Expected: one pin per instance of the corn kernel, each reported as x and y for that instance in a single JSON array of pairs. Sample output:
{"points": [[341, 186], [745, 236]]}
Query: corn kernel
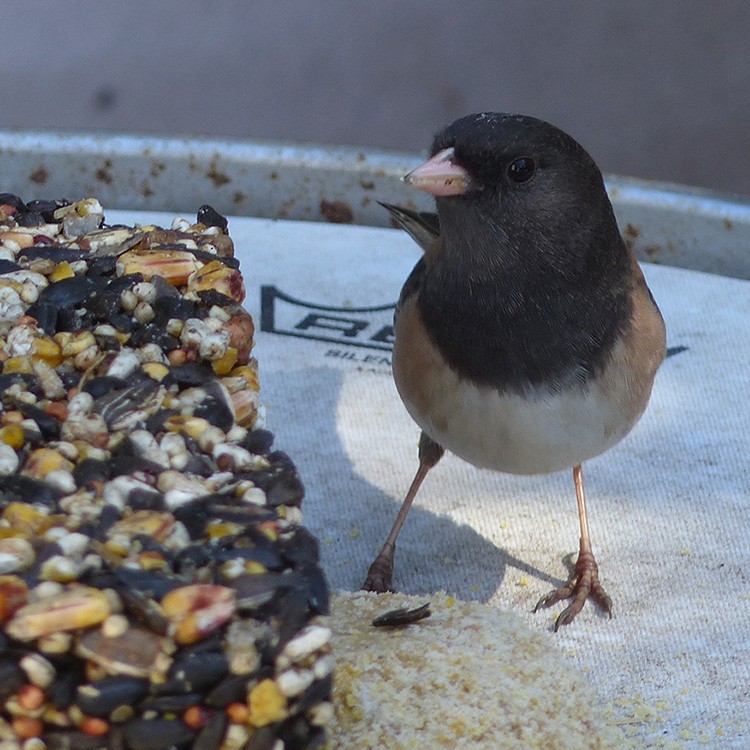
{"points": [[156, 370], [266, 703], [62, 271], [47, 350], [13, 435], [224, 364], [191, 426], [249, 373], [21, 365]]}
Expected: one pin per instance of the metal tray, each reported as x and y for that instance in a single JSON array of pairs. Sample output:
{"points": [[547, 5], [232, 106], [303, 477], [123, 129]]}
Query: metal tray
{"points": [[668, 224]]}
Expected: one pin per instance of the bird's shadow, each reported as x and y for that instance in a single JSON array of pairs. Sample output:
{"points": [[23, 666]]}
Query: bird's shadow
{"points": [[351, 516]]}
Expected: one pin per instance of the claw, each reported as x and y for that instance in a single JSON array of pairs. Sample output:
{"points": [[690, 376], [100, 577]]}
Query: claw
{"points": [[584, 583], [380, 575]]}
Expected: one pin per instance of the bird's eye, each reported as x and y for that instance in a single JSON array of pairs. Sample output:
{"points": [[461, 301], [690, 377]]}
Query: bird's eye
{"points": [[521, 170]]}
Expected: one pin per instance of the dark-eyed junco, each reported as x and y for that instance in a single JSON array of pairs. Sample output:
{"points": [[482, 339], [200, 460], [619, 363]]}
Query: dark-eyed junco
{"points": [[526, 339]]}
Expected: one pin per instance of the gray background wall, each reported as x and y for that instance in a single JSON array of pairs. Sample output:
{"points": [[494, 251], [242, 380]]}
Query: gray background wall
{"points": [[653, 89]]}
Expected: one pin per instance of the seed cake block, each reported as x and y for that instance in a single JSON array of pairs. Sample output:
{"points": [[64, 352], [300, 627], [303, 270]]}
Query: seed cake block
{"points": [[157, 588]]}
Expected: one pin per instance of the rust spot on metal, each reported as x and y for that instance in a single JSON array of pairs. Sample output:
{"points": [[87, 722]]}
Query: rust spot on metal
{"points": [[146, 190], [238, 197], [40, 175], [337, 212], [366, 184], [727, 223], [651, 250], [274, 175], [286, 207], [103, 174], [631, 231], [157, 167], [361, 156], [365, 201], [218, 178]]}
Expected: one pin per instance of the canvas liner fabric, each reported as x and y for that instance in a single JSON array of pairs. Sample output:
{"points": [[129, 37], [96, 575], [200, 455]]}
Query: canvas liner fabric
{"points": [[669, 506]]}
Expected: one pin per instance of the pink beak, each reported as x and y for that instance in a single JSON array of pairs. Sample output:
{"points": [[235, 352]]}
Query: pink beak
{"points": [[440, 175]]}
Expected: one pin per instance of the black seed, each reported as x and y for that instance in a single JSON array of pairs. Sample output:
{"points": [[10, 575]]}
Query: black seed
{"points": [[29, 382], [258, 442], [118, 405], [122, 322], [266, 556], [254, 591], [194, 673], [107, 343], [48, 425], [194, 514], [193, 374], [89, 471], [151, 583], [301, 547], [292, 608], [119, 284], [200, 465], [320, 690], [214, 408], [11, 678], [6, 266], [30, 219], [153, 333], [263, 738], [70, 378], [295, 733], [231, 689], [62, 691], [210, 297], [45, 314], [116, 740], [100, 386], [73, 740], [192, 558], [47, 208], [212, 734], [121, 465], [27, 490], [109, 515], [105, 266], [170, 703], [102, 697], [165, 308], [209, 216], [139, 499], [156, 734], [316, 587], [155, 423], [11, 199], [67, 293], [56, 253]]}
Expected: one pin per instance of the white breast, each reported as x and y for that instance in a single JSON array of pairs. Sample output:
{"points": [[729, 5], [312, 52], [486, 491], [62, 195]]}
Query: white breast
{"points": [[537, 433]]}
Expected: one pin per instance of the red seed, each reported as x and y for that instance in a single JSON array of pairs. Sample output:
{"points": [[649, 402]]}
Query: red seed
{"points": [[238, 713], [94, 726], [26, 727], [30, 697], [196, 717]]}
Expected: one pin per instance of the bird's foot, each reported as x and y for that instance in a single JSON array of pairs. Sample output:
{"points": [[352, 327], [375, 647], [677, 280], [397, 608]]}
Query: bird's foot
{"points": [[582, 584], [380, 575]]}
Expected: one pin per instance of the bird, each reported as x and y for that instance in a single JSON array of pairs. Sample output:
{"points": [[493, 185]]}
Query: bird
{"points": [[526, 339]]}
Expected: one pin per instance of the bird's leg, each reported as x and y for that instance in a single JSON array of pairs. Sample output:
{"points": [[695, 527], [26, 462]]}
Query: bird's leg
{"points": [[584, 582], [380, 575]]}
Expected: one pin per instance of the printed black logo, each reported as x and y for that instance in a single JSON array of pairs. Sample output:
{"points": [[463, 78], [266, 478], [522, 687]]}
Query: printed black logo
{"points": [[368, 327]]}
